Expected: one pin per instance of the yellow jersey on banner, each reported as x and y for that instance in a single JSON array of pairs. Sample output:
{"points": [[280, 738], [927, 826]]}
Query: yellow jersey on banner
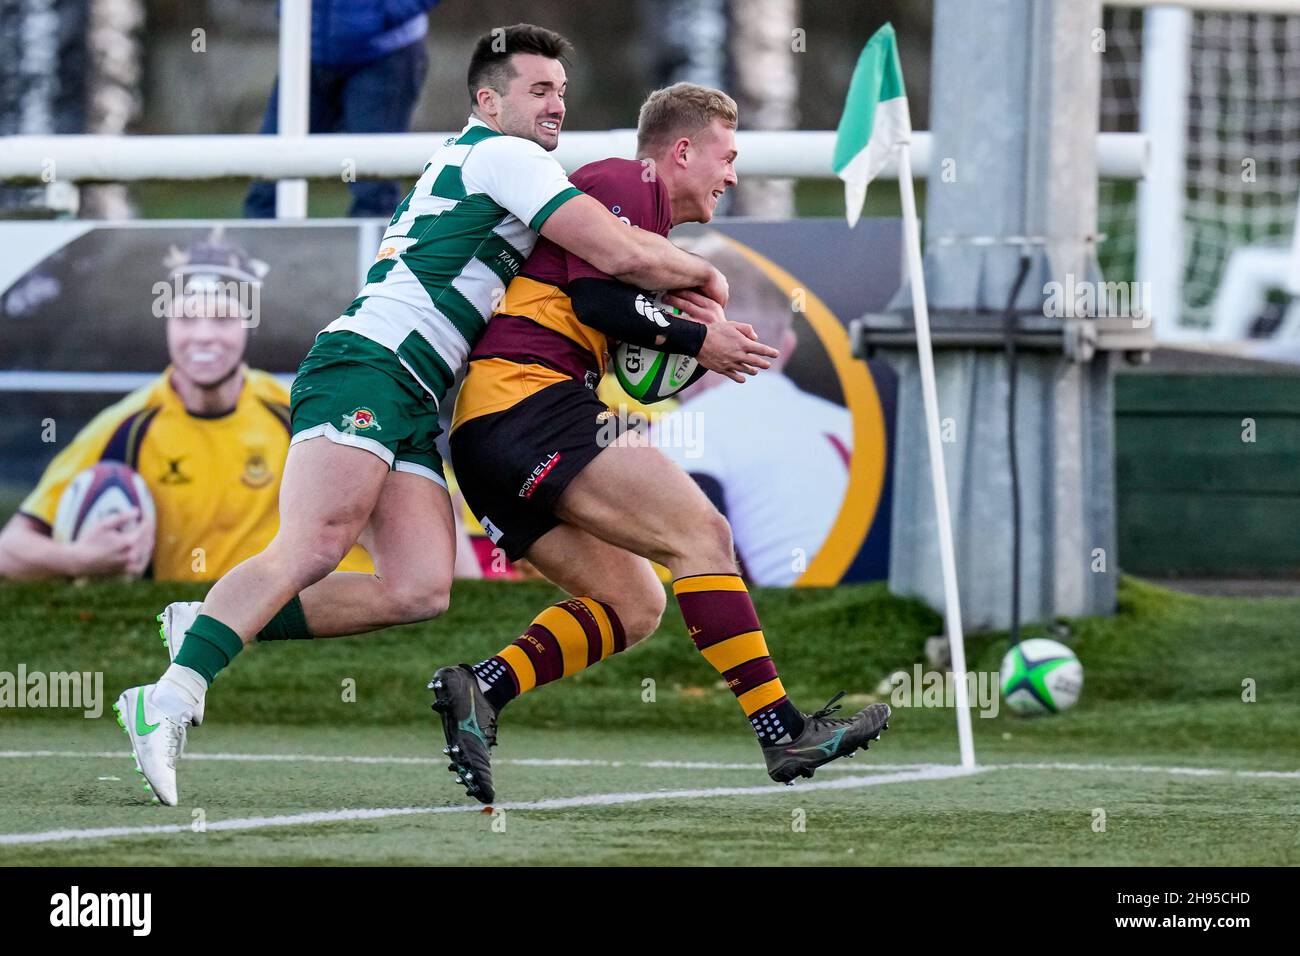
{"points": [[215, 481]]}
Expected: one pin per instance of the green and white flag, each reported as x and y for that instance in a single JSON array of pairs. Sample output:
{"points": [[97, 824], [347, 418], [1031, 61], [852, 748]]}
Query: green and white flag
{"points": [[875, 124]]}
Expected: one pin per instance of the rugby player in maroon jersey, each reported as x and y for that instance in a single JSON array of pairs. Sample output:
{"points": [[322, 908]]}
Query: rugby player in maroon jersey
{"points": [[531, 442]]}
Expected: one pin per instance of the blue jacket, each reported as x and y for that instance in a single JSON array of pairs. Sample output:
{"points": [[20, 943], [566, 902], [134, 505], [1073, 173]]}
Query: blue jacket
{"points": [[352, 32]]}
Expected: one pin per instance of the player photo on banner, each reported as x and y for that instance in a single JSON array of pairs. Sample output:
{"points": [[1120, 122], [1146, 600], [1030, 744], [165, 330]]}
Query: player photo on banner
{"points": [[781, 455], [149, 366], [796, 457]]}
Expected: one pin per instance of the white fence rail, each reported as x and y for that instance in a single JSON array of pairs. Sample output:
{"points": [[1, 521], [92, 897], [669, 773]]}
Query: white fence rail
{"points": [[73, 158]]}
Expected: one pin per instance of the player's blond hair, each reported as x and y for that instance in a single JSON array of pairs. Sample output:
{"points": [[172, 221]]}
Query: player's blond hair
{"points": [[683, 109]]}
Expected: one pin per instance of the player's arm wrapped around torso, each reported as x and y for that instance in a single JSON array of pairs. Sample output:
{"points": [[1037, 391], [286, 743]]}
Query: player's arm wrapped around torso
{"points": [[628, 314]]}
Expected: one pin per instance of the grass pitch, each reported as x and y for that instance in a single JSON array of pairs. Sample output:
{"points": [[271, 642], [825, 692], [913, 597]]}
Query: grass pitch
{"points": [[1161, 763]]}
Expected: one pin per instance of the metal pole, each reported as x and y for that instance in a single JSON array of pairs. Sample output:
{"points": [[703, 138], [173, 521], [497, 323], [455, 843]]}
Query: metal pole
{"points": [[1021, 181], [293, 108]]}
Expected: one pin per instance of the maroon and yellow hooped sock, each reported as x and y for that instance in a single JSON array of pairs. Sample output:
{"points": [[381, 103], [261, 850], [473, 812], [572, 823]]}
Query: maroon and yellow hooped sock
{"points": [[562, 640], [724, 626]]}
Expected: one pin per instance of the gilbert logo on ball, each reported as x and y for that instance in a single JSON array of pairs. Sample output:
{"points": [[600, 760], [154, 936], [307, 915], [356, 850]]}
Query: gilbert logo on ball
{"points": [[362, 419], [648, 375]]}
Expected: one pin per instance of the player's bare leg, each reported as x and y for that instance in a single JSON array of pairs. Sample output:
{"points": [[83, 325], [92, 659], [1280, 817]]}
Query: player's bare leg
{"points": [[674, 524], [618, 601], [412, 541], [410, 538], [326, 498], [581, 563]]}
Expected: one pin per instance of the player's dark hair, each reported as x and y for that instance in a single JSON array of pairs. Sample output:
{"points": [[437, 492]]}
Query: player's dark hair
{"points": [[489, 65]]}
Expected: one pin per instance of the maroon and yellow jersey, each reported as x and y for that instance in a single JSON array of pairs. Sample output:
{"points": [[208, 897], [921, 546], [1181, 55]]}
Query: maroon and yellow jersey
{"points": [[535, 339]]}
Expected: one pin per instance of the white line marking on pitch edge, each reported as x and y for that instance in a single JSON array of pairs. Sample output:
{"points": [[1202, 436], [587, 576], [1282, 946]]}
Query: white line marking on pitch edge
{"points": [[438, 762], [664, 764], [556, 803], [1139, 768]]}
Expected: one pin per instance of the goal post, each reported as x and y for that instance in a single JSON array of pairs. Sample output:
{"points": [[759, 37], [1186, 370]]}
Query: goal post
{"points": [[1215, 85], [1162, 196]]}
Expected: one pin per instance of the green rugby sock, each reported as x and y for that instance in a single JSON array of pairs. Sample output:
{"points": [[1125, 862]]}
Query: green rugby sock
{"points": [[209, 647], [289, 624]]}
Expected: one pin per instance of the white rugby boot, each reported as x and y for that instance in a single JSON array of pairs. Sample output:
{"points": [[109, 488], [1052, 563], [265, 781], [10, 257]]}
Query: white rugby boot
{"points": [[156, 741]]}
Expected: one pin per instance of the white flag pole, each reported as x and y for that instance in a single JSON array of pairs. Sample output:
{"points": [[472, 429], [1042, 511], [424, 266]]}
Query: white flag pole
{"points": [[930, 398]]}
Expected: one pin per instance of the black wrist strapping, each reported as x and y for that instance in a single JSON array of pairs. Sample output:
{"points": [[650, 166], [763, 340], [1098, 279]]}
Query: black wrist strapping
{"points": [[628, 314]]}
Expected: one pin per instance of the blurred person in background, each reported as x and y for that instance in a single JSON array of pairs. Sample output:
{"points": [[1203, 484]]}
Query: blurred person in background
{"points": [[209, 437], [782, 492], [368, 63]]}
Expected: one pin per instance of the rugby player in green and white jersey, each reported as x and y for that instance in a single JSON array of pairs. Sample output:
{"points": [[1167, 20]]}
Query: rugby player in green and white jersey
{"points": [[365, 402]]}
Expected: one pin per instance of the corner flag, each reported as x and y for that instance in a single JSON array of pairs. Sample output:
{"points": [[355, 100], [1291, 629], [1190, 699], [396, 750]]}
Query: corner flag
{"points": [[875, 123], [874, 129]]}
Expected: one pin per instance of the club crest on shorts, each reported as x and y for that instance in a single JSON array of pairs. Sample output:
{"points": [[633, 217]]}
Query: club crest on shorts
{"points": [[362, 420]]}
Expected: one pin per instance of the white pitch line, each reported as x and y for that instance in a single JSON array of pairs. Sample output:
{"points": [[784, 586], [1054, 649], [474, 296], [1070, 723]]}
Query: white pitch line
{"points": [[556, 803], [561, 762], [1140, 768], [868, 766], [438, 762]]}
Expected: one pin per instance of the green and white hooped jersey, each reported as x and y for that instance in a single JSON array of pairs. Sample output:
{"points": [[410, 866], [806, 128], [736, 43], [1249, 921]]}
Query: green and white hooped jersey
{"points": [[452, 247]]}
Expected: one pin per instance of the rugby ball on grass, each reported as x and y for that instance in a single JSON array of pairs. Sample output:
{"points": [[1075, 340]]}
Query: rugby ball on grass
{"points": [[1040, 676], [101, 491]]}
